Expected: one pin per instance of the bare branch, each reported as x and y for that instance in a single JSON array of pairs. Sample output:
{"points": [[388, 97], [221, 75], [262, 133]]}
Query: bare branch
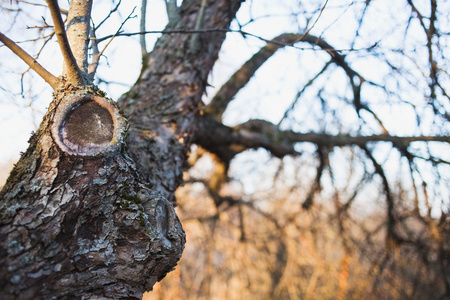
{"points": [[96, 54], [71, 70], [109, 15], [223, 30], [52, 80], [323, 161], [392, 236], [142, 28], [299, 94], [78, 29], [241, 77], [317, 19], [226, 142]]}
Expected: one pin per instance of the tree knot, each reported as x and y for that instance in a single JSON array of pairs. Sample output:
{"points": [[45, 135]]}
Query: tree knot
{"points": [[88, 125]]}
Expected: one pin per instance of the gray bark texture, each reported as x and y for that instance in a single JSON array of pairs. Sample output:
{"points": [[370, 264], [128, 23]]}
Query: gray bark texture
{"points": [[163, 106], [84, 213], [78, 222]]}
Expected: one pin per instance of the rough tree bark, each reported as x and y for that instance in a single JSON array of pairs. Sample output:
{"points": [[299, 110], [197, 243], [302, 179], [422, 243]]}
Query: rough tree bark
{"points": [[78, 218], [87, 211], [163, 106]]}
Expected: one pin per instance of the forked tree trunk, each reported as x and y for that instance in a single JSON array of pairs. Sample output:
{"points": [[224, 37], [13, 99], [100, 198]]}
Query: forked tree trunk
{"points": [[78, 218]]}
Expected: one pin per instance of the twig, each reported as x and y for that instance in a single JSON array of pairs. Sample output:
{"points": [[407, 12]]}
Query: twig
{"points": [[225, 30], [317, 19], [118, 30], [323, 162], [109, 15], [96, 55], [297, 97], [40, 50], [52, 80], [392, 236]]}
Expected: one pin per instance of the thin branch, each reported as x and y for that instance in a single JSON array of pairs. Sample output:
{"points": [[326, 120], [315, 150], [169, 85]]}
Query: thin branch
{"points": [[52, 80], [142, 28], [72, 71], [299, 94], [392, 237], [323, 161], [317, 19], [109, 15], [241, 77], [130, 16], [96, 54], [46, 40], [225, 30]]}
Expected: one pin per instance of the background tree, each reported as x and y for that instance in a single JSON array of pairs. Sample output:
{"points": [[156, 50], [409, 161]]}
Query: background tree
{"points": [[349, 196]]}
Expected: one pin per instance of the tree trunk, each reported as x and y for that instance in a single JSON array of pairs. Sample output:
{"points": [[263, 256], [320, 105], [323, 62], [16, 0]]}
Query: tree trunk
{"points": [[164, 104], [78, 218]]}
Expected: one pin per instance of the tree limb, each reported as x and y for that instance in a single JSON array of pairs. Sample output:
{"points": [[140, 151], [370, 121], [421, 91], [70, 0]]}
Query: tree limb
{"points": [[164, 103], [226, 142], [78, 29], [241, 77], [71, 71], [52, 80]]}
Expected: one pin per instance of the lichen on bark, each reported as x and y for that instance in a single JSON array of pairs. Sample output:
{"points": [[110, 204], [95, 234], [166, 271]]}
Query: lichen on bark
{"points": [[65, 227]]}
